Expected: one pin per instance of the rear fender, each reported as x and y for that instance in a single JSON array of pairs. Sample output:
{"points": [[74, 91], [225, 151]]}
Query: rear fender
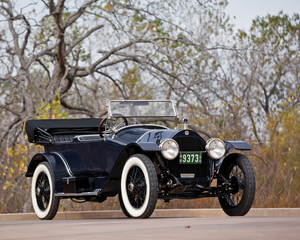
{"points": [[57, 166]]}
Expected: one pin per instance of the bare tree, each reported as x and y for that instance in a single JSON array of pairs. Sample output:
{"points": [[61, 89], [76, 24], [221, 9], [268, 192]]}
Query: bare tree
{"points": [[257, 78], [81, 53], [45, 51]]}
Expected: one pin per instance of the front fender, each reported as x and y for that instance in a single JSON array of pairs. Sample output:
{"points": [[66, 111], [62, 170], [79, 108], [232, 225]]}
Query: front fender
{"points": [[230, 145], [238, 145], [148, 146]]}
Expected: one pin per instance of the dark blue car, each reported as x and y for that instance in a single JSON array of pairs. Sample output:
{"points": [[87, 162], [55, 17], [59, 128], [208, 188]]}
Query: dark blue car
{"points": [[92, 159]]}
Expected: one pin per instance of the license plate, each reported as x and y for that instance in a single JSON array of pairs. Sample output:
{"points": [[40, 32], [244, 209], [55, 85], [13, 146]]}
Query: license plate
{"points": [[190, 158]]}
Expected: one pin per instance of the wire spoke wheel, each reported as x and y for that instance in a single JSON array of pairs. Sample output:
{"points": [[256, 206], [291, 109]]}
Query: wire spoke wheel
{"points": [[139, 186], [237, 181], [42, 191], [45, 204], [136, 189], [239, 197]]}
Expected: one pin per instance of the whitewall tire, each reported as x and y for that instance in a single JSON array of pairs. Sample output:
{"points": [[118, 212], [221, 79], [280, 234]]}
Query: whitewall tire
{"points": [[45, 204], [139, 187]]}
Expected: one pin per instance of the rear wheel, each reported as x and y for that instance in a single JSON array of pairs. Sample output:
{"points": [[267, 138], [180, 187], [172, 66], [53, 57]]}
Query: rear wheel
{"points": [[45, 204], [239, 172], [139, 187]]}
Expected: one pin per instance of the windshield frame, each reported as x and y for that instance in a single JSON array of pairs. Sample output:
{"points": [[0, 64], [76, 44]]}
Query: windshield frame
{"points": [[136, 104], [110, 115]]}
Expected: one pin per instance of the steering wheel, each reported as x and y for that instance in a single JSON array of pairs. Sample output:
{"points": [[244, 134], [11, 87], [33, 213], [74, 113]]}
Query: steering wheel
{"points": [[115, 124]]}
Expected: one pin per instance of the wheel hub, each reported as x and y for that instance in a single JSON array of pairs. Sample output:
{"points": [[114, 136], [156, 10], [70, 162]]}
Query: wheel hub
{"points": [[130, 187], [235, 184], [37, 191]]}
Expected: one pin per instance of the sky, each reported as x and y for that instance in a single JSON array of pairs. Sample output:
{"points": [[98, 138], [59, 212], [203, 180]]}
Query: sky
{"points": [[243, 10], [247, 10]]}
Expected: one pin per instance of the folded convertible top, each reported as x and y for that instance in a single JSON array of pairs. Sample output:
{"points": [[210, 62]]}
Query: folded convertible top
{"points": [[62, 126]]}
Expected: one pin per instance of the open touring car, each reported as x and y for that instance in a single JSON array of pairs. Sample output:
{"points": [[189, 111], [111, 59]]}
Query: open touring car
{"points": [[92, 159]]}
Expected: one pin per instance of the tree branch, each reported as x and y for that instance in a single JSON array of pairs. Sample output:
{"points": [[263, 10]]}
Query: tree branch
{"points": [[81, 109]]}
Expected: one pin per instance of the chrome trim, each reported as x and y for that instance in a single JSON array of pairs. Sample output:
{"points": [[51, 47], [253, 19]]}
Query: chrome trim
{"points": [[65, 163], [185, 121], [81, 137], [144, 135], [192, 151], [157, 100], [110, 115], [95, 193], [143, 125], [162, 143], [208, 149], [187, 175]]}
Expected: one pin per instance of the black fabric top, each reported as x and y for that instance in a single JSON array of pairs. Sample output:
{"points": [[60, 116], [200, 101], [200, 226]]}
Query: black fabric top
{"points": [[63, 126]]}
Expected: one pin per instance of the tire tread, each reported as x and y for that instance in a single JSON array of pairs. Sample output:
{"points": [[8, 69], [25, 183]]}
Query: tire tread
{"points": [[153, 188], [55, 200], [249, 193]]}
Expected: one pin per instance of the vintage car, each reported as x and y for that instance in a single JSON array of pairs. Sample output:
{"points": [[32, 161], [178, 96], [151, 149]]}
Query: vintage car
{"points": [[95, 158]]}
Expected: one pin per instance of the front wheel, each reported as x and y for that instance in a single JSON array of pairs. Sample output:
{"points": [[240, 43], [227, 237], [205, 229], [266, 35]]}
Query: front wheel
{"points": [[238, 171], [139, 187], [45, 204]]}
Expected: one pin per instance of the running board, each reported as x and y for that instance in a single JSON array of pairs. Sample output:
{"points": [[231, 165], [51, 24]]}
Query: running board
{"points": [[96, 192]]}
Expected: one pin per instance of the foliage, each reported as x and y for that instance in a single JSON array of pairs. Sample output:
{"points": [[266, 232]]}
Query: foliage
{"points": [[133, 86], [15, 194], [53, 110], [278, 175], [269, 76]]}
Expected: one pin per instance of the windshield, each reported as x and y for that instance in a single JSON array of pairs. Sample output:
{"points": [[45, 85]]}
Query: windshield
{"points": [[141, 108]]}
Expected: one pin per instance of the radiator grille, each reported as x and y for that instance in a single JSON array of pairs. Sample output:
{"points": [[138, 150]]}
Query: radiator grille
{"points": [[190, 143], [193, 143]]}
